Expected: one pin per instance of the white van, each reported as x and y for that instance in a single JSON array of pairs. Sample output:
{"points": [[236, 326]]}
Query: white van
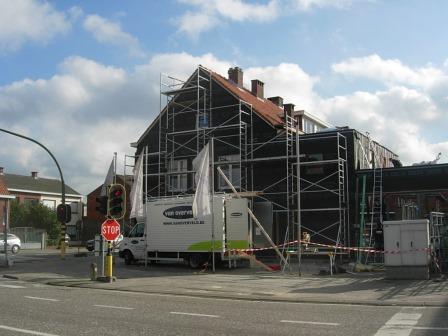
{"points": [[170, 232]]}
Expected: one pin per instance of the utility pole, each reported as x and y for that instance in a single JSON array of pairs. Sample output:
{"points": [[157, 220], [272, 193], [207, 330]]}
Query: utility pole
{"points": [[63, 225]]}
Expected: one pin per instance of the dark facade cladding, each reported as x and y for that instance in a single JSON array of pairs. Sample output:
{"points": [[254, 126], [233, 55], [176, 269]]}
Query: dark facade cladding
{"points": [[255, 145], [424, 186]]}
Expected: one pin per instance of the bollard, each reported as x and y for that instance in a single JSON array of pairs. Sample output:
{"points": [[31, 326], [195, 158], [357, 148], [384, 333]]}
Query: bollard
{"points": [[93, 271], [108, 266]]}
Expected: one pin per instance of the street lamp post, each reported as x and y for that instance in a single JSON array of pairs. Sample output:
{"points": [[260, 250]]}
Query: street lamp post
{"points": [[60, 173]]}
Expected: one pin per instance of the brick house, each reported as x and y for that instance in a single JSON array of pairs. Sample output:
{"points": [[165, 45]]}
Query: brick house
{"points": [[32, 188]]}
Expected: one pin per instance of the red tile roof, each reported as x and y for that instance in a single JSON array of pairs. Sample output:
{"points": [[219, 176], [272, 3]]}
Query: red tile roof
{"points": [[3, 188], [264, 107]]}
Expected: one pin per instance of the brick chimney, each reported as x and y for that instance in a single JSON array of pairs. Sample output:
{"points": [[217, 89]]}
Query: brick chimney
{"points": [[258, 88], [236, 76], [34, 174], [2, 171], [277, 101], [288, 108]]}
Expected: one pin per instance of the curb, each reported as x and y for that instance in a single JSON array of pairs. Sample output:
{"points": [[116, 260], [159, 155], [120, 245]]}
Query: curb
{"points": [[7, 276], [85, 283]]}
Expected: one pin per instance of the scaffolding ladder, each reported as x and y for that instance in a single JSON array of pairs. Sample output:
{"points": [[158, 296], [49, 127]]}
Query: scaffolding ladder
{"points": [[291, 161], [435, 236], [374, 213]]}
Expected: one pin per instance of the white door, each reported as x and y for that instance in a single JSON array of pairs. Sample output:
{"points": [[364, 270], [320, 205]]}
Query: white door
{"points": [[420, 243], [136, 241], [407, 248], [392, 244]]}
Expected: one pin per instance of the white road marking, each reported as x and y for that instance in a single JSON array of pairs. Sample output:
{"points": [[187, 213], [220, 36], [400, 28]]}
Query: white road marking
{"points": [[400, 324], [41, 298], [12, 286], [114, 307], [25, 331], [429, 328], [194, 314], [311, 322]]}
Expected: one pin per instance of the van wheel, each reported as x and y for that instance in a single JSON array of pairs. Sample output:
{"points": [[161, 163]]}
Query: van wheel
{"points": [[128, 257], [196, 260]]}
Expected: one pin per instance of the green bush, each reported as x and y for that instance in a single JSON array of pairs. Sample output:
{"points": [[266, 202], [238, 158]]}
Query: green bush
{"points": [[38, 216]]}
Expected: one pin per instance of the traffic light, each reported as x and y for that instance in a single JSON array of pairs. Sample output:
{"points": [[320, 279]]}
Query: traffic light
{"points": [[64, 213], [102, 204], [117, 201]]}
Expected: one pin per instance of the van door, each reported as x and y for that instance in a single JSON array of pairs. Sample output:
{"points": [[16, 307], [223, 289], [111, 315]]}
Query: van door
{"points": [[136, 241]]}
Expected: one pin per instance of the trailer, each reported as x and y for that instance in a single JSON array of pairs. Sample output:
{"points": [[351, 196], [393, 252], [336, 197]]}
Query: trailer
{"points": [[169, 232]]}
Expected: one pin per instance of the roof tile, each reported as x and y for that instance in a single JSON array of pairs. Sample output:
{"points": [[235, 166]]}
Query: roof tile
{"points": [[264, 107]]}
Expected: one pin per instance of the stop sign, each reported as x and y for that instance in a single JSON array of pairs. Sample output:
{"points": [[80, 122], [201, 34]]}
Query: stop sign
{"points": [[110, 229]]}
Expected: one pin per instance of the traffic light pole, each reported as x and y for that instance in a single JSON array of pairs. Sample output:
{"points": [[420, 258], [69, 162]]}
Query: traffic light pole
{"points": [[63, 226]]}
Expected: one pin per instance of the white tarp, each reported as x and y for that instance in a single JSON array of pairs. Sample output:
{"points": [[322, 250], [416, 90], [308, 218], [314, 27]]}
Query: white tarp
{"points": [[201, 201], [137, 209], [109, 179]]}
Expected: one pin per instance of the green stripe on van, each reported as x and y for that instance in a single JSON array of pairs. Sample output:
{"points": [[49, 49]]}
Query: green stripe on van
{"points": [[206, 246]]}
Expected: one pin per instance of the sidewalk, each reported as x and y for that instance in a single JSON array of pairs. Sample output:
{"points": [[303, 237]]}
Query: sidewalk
{"points": [[242, 283]]}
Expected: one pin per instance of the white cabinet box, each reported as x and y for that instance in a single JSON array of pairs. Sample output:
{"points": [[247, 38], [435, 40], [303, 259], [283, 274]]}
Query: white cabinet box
{"points": [[406, 243]]}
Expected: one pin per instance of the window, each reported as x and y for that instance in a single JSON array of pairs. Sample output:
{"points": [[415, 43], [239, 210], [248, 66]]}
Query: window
{"points": [[30, 200], [51, 204], [309, 126], [231, 170], [137, 231], [178, 182]]}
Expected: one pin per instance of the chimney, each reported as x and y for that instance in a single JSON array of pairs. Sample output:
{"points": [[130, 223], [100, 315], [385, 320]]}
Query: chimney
{"points": [[34, 174], [288, 108], [236, 76], [277, 101], [2, 171], [258, 88]]}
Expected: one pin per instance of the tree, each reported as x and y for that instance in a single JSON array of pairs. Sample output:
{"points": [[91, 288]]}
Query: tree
{"points": [[36, 215]]}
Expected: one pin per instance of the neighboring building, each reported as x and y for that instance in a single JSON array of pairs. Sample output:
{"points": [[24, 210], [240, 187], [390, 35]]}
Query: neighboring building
{"points": [[311, 124], [255, 144], [94, 219], [33, 188], [5, 198]]}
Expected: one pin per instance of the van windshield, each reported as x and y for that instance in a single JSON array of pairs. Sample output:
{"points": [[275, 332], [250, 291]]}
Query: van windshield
{"points": [[137, 231]]}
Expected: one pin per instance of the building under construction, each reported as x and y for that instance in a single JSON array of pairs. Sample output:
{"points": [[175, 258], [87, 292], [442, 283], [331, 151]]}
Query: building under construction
{"points": [[300, 173]]}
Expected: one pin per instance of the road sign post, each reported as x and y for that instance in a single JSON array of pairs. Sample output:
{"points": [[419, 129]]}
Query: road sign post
{"points": [[110, 230]]}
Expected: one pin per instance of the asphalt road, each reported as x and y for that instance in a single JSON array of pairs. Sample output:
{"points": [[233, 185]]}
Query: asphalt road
{"points": [[36, 309]]}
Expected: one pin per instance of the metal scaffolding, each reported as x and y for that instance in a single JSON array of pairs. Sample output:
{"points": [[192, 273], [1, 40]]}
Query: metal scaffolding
{"points": [[241, 156]]}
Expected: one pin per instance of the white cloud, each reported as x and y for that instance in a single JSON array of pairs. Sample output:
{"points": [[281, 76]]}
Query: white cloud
{"points": [[75, 13], [87, 111], [29, 20], [212, 13], [388, 71], [288, 81], [84, 113], [306, 5], [111, 33]]}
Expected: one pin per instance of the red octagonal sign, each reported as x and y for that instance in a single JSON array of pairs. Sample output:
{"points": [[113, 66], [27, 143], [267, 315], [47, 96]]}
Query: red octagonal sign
{"points": [[110, 229]]}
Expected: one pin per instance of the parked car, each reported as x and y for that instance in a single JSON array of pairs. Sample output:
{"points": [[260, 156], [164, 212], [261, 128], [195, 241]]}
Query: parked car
{"points": [[13, 243], [90, 244]]}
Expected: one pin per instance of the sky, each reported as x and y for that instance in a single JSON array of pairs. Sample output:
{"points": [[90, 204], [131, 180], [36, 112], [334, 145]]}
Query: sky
{"points": [[83, 77]]}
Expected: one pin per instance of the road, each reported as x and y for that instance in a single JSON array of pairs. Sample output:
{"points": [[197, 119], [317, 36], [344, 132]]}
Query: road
{"points": [[37, 309]]}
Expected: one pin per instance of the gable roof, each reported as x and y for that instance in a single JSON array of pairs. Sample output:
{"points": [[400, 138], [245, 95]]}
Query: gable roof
{"points": [[263, 107], [40, 184], [267, 110]]}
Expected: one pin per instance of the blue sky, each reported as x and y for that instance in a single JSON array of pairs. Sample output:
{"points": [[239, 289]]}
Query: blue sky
{"points": [[72, 72]]}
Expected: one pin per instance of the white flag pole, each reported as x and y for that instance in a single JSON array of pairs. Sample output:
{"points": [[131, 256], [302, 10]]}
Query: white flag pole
{"points": [[145, 179], [212, 157]]}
